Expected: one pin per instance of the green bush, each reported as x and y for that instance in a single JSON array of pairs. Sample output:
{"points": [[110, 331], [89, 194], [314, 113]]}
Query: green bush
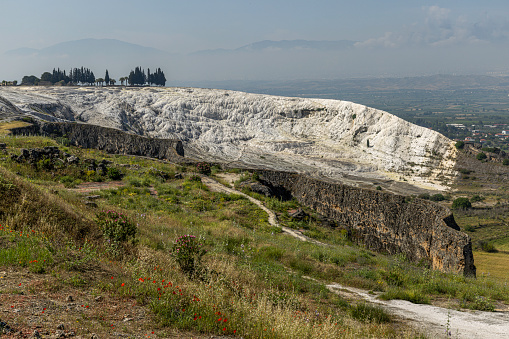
{"points": [[461, 203], [505, 162], [487, 246], [469, 228], [379, 188], [45, 164], [437, 197], [476, 198], [68, 181], [203, 168], [188, 251], [460, 145], [481, 156], [424, 196], [116, 226], [489, 149], [114, 173]]}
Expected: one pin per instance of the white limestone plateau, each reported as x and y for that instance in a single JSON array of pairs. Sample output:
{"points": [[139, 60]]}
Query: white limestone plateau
{"points": [[333, 139]]}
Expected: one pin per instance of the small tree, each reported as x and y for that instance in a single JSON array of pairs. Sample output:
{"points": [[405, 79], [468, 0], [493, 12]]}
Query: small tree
{"points": [[461, 203], [481, 156], [460, 145]]}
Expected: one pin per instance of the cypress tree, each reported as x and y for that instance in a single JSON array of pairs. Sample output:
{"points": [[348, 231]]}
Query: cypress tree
{"points": [[107, 78]]}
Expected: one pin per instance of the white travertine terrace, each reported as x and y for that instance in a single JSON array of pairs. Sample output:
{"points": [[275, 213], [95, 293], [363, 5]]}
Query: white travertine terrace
{"points": [[336, 139]]}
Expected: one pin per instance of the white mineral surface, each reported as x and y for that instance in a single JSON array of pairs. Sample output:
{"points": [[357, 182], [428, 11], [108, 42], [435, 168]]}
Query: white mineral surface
{"points": [[334, 139]]}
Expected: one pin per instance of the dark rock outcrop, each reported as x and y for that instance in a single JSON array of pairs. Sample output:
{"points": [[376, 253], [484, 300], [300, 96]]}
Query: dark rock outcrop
{"points": [[384, 222], [107, 139]]}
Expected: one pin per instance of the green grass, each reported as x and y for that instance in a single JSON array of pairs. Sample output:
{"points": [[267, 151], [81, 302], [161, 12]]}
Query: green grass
{"points": [[25, 249], [265, 283]]}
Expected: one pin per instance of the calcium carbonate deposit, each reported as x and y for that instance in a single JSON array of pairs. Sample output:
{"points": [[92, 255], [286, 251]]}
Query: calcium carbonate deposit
{"points": [[332, 139]]}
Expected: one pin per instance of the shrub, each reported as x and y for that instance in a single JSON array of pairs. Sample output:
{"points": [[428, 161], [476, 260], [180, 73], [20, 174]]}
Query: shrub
{"points": [[116, 227], [203, 168], [379, 188], [489, 149], [476, 198], [481, 156], [188, 251], [195, 178], [460, 145], [505, 162], [437, 197], [68, 181], [114, 174], [470, 228], [45, 164], [424, 196], [487, 246], [461, 203]]}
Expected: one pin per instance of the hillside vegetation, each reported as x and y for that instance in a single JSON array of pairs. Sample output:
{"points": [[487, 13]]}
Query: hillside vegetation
{"points": [[154, 252]]}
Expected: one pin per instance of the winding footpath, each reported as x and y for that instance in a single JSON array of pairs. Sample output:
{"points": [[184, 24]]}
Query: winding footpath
{"points": [[216, 186], [434, 321]]}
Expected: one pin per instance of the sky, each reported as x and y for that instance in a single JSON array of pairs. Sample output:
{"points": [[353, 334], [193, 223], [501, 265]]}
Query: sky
{"points": [[392, 37]]}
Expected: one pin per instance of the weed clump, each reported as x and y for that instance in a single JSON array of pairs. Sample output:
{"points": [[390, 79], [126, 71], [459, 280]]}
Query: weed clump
{"points": [[369, 313], [116, 227]]}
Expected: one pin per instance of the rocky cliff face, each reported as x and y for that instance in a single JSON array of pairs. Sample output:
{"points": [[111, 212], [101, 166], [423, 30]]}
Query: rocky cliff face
{"points": [[108, 139], [389, 223], [322, 138]]}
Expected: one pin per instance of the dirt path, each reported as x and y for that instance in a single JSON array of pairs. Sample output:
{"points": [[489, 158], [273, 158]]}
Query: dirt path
{"points": [[434, 320], [215, 186]]}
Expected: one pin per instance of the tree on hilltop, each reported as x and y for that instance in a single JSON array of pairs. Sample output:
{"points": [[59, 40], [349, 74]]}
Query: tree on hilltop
{"points": [[107, 78]]}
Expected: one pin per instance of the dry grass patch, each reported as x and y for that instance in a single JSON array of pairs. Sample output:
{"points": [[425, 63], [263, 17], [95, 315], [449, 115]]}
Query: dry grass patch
{"points": [[7, 126], [492, 264]]}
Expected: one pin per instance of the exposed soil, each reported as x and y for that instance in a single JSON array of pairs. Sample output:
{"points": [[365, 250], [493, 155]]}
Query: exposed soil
{"points": [[52, 306]]}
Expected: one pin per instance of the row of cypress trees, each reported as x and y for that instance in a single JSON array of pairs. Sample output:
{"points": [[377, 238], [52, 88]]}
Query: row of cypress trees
{"points": [[138, 77], [84, 76]]}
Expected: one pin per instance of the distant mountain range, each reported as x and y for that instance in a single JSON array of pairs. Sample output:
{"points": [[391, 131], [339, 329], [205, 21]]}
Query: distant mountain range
{"points": [[285, 45], [87, 47]]}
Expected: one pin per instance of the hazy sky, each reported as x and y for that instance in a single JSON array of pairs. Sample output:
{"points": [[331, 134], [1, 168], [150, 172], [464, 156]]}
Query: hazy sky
{"points": [[431, 30]]}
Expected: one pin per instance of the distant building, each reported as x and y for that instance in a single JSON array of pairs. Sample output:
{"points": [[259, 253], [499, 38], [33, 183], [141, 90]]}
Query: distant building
{"points": [[505, 132], [461, 126], [469, 139], [482, 141]]}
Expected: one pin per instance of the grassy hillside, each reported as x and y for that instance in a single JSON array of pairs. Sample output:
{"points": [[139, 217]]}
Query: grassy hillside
{"points": [[157, 254]]}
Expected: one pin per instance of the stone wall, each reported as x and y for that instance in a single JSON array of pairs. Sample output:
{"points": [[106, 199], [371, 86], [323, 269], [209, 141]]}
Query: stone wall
{"points": [[108, 139], [384, 222]]}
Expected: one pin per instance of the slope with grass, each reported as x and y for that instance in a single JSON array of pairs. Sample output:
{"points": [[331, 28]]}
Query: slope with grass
{"points": [[325, 138], [247, 278]]}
